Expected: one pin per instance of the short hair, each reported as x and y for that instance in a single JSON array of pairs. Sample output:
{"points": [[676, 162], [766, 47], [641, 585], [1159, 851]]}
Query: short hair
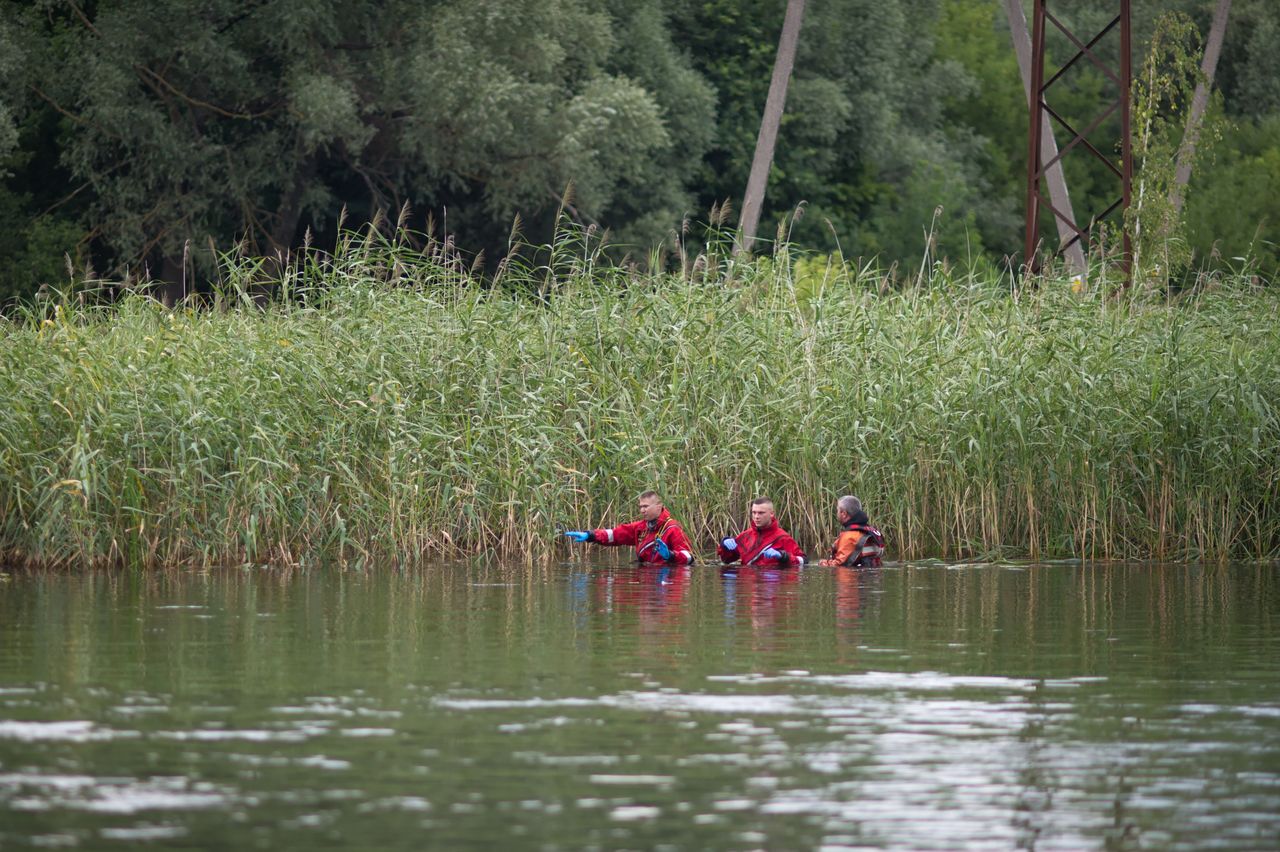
{"points": [[650, 495], [760, 501], [849, 504]]}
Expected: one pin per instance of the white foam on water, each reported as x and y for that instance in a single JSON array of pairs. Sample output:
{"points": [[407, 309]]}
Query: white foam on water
{"points": [[373, 713], [750, 705], [144, 832], [877, 681], [508, 703], [139, 709], [16, 780], [316, 709], [1263, 711], [319, 761], [658, 780], [259, 760], [288, 735], [696, 703], [633, 813], [111, 795], [74, 732], [567, 759], [396, 803]]}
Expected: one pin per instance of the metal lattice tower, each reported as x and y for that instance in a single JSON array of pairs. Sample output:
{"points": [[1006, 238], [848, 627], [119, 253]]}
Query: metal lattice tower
{"points": [[1077, 140]]}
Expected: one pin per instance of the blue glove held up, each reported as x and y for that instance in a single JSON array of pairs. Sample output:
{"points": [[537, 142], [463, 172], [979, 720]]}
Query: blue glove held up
{"points": [[663, 550], [578, 535], [729, 543], [773, 553]]}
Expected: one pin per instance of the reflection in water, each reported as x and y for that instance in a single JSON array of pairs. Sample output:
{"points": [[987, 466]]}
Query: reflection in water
{"points": [[654, 593], [468, 705], [769, 595], [852, 588], [653, 590]]}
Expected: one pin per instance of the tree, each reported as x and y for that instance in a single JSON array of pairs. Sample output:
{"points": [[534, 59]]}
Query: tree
{"points": [[38, 222], [197, 123], [866, 150], [12, 61], [1162, 90], [1229, 221]]}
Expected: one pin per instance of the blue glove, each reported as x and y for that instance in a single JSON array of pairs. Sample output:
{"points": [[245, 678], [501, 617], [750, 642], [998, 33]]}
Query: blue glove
{"points": [[663, 550], [773, 553], [729, 543], [579, 535]]}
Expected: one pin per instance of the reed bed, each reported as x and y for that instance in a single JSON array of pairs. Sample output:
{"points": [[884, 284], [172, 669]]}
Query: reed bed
{"points": [[386, 405]]}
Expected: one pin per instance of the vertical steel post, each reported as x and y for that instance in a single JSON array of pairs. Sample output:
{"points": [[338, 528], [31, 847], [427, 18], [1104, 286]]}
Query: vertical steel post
{"points": [[1033, 145], [1121, 75], [1126, 139]]}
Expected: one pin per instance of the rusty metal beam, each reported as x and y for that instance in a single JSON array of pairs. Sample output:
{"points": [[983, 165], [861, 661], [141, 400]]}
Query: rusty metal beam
{"points": [[1071, 240], [1040, 169]]}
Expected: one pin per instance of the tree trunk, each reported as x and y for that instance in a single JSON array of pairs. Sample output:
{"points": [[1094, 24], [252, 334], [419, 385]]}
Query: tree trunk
{"points": [[290, 210], [1058, 195], [172, 287], [1199, 101], [762, 162]]}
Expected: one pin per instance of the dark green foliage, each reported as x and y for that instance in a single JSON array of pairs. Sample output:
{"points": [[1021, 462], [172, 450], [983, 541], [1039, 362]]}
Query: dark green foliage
{"points": [[198, 124], [141, 137], [861, 142], [1232, 220]]}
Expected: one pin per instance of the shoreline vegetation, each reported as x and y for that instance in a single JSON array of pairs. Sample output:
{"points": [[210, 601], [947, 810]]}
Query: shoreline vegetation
{"points": [[386, 405]]}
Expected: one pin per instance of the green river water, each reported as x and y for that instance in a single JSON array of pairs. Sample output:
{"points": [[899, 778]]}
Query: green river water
{"points": [[602, 705]]}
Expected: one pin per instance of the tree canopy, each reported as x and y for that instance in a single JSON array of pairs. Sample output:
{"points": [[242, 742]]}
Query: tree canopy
{"points": [[140, 137]]}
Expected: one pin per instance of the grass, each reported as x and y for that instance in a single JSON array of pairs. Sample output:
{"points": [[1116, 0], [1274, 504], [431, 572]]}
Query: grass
{"points": [[387, 405]]}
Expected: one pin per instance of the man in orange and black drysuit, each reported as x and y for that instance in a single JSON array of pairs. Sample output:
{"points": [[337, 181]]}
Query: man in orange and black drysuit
{"points": [[859, 544], [657, 536], [764, 543]]}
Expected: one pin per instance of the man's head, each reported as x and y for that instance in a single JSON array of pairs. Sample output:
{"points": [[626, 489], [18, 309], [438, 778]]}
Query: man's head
{"points": [[761, 512], [650, 505], [847, 506]]}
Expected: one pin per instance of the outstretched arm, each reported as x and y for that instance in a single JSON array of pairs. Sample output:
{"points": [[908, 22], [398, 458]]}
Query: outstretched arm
{"points": [[624, 534]]}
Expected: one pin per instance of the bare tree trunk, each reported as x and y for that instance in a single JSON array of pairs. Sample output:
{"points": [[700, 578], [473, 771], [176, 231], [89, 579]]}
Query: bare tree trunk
{"points": [[785, 60], [289, 211], [1058, 195], [1199, 101]]}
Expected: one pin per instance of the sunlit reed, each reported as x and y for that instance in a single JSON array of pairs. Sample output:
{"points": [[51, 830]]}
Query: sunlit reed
{"points": [[385, 405]]}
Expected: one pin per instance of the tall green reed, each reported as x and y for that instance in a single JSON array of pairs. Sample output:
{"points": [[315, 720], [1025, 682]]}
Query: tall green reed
{"points": [[384, 404]]}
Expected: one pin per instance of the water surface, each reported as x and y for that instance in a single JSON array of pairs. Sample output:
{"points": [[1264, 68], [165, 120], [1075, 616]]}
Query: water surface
{"points": [[468, 705]]}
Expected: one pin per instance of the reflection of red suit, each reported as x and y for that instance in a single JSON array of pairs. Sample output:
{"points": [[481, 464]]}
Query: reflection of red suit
{"points": [[765, 589], [646, 589], [645, 534]]}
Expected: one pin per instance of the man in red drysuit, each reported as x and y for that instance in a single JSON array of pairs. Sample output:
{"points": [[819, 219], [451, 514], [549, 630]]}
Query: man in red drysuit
{"points": [[657, 536], [764, 543]]}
